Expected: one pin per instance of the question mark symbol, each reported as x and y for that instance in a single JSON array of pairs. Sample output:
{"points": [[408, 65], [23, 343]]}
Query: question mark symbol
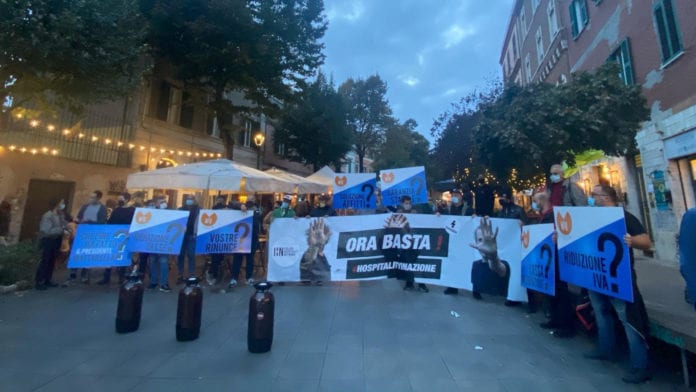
{"points": [[546, 249], [370, 191], [178, 230], [419, 181], [618, 255], [245, 231], [122, 245]]}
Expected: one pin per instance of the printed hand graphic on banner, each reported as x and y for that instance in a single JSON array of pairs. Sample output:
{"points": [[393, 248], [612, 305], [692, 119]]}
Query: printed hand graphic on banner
{"points": [[491, 275], [486, 243], [314, 264]]}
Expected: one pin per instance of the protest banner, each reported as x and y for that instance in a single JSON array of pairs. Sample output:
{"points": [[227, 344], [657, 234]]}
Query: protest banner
{"points": [[224, 231], [396, 183], [434, 249], [355, 190], [157, 231], [539, 258], [99, 246], [591, 250]]}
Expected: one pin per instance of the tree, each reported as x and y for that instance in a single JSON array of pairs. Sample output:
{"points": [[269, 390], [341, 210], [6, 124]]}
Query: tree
{"points": [[529, 128], [368, 113], [403, 147], [261, 49], [313, 128], [65, 53]]}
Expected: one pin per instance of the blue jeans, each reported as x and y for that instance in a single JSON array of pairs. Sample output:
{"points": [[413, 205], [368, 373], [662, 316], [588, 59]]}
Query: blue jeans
{"points": [[638, 347], [159, 269], [188, 249]]}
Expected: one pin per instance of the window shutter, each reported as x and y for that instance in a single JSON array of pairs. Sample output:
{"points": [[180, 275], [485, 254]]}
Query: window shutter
{"points": [[573, 19], [583, 11], [627, 63]]}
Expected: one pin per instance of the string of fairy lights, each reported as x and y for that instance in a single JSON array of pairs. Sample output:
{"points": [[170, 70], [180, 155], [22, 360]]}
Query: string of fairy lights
{"points": [[68, 134]]}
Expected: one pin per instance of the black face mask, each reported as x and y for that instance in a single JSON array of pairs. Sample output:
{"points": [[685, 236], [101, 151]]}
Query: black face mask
{"points": [[121, 203]]}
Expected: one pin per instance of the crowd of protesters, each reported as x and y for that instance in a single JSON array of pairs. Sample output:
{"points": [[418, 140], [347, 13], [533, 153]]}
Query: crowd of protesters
{"points": [[490, 277]]}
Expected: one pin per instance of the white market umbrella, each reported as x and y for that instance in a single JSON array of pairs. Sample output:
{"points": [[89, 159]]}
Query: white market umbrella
{"points": [[219, 174], [324, 176], [303, 185]]}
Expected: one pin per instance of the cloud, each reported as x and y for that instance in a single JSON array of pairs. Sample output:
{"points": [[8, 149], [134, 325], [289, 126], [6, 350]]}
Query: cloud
{"points": [[456, 34], [348, 11], [409, 80]]}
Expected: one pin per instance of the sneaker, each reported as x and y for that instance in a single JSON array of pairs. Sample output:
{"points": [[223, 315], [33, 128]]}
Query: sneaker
{"points": [[85, 280], [476, 295], [165, 288], [250, 281], [152, 286], [103, 282], [68, 283], [306, 282], [512, 304], [636, 376], [451, 291], [233, 283], [318, 283], [51, 284], [408, 286], [40, 287], [422, 287]]}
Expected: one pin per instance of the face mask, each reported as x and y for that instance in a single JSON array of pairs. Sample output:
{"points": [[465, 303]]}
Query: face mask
{"points": [[284, 205], [455, 200], [163, 206], [407, 207], [189, 202], [535, 206], [555, 178], [62, 206], [591, 201], [121, 203], [322, 205]]}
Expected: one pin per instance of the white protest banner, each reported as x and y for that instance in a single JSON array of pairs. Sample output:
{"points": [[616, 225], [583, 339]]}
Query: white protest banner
{"points": [[538, 258], [354, 190], [224, 231], [591, 250], [407, 181], [433, 249], [157, 231]]}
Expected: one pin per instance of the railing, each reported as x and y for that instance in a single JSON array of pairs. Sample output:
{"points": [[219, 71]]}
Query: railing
{"points": [[91, 137]]}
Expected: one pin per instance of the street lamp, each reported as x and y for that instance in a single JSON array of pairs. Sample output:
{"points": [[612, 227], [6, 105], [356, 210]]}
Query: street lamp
{"points": [[259, 138]]}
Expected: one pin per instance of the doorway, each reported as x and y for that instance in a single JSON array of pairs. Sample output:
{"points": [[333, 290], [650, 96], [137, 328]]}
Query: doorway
{"points": [[40, 194]]}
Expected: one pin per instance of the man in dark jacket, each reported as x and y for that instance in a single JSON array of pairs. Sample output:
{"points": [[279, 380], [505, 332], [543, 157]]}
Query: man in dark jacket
{"points": [[458, 206], [188, 248], [94, 212], [323, 209], [121, 215], [216, 258]]}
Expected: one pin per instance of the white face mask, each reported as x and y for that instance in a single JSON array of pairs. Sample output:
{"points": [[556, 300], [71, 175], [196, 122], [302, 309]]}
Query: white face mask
{"points": [[163, 206], [61, 206], [555, 178], [455, 200]]}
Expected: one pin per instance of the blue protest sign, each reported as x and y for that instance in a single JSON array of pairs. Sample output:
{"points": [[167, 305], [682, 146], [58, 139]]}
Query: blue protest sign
{"points": [[409, 181], [224, 231], [355, 190], [591, 250], [538, 258], [157, 231], [99, 246]]}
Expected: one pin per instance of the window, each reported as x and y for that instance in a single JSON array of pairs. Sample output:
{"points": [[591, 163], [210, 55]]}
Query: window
{"points": [[539, 45], [528, 68], [553, 21], [173, 105], [187, 109], [622, 56], [245, 135], [667, 30], [523, 21], [578, 17], [280, 149]]}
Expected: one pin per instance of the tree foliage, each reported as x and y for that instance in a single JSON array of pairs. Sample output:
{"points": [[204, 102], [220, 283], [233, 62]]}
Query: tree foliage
{"points": [[263, 49], [403, 147], [369, 113], [58, 53], [314, 128]]}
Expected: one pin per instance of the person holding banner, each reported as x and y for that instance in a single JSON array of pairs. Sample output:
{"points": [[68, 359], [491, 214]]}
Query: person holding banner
{"points": [[249, 206], [284, 211], [406, 207], [490, 275], [457, 207], [323, 209], [632, 315], [188, 248], [121, 215], [159, 263], [216, 258], [52, 228], [561, 309], [94, 212]]}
